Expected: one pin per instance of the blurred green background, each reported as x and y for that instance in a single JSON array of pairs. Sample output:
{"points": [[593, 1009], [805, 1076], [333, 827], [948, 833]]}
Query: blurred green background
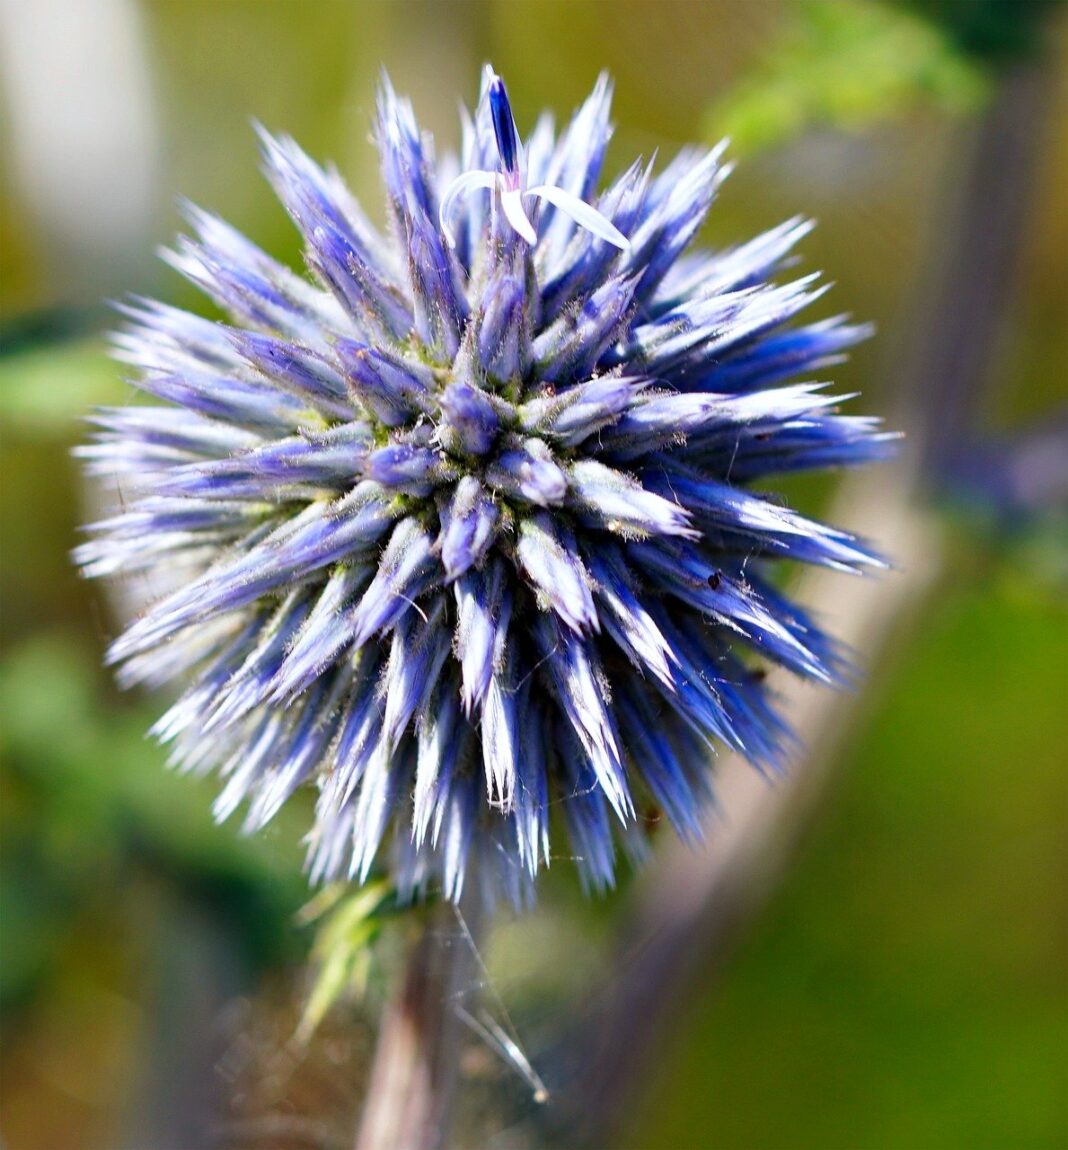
{"points": [[906, 986]]}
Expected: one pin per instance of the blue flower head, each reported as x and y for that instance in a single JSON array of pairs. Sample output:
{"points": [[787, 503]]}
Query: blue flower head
{"points": [[461, 529]]}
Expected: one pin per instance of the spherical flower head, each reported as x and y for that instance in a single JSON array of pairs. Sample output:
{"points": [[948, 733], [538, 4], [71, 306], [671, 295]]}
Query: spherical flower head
{"points": [[460, 528]]}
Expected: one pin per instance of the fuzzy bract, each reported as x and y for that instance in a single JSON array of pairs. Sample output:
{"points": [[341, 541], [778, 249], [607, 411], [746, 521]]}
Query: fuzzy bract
{"points": [[464, 527]]}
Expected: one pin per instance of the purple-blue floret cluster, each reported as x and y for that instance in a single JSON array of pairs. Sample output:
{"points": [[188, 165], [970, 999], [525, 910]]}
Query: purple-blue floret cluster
{"points": [[460, 528]]}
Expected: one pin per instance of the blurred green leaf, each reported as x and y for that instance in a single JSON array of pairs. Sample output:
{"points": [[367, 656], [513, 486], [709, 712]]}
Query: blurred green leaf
{"points": [[87, 798], [349, 924], [46, 391], [847, 64], [995, 30]]}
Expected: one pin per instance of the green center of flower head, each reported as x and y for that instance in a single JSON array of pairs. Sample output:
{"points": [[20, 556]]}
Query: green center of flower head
{"points": [[461, 528]]}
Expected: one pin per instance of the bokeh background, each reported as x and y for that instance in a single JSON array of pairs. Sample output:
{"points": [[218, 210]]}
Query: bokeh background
{"points": [[904, 986]]}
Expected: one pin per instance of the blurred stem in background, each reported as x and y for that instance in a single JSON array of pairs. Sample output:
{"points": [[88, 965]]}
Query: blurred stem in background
{"points": [[409, 1096], [692, 904], [959, 323]]}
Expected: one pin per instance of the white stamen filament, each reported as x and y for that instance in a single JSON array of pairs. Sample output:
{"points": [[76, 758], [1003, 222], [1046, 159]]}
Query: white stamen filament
{"points": [[584, 214], [512, 206]]}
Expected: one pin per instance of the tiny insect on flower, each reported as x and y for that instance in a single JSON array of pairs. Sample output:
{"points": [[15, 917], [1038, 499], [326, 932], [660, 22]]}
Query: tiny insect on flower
{"points": [[462, 530]]}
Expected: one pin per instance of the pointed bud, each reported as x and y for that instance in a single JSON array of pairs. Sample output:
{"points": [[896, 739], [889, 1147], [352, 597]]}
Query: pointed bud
{"points": [[529, 472]]}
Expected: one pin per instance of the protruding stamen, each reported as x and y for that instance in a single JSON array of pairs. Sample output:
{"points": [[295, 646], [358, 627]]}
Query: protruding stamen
{"points": [[510, 180], [504, 126]]}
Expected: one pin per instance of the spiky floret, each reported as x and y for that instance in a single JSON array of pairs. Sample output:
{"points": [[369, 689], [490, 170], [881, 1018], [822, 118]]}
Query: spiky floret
{"points": [[460, 528]]}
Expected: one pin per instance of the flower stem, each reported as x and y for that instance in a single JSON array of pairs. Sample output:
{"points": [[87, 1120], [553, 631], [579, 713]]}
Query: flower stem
{"points": [[409, 1096]]}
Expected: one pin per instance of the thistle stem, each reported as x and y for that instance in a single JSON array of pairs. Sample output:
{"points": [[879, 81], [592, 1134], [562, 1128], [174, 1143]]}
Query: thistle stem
{"points": [[409, 1096]]}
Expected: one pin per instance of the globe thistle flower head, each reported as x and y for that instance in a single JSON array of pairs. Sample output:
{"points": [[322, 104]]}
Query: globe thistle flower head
{"points": [[460, 528]]}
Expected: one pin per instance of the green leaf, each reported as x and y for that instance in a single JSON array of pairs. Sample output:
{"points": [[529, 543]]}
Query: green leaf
{"points": [[47, 391], [349, 924], [848, 64]]}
